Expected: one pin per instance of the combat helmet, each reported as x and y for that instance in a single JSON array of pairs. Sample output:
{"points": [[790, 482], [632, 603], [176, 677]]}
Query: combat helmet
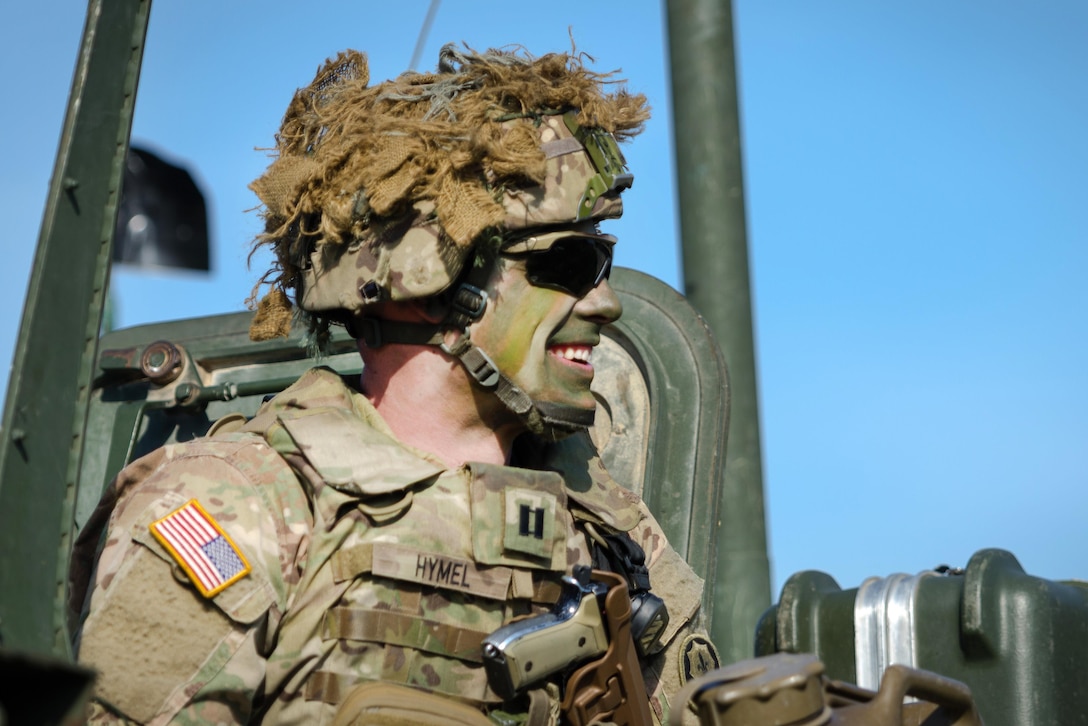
{"points": [[406, 189]]}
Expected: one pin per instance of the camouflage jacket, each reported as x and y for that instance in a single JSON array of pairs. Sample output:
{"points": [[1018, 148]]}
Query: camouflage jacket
{"points": [[337, 556]]}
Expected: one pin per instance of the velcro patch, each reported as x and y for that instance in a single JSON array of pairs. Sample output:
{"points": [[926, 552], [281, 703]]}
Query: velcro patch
{"points": [[200, 546], [437, 570], [530, 522], [519, 517], [698, 656]]}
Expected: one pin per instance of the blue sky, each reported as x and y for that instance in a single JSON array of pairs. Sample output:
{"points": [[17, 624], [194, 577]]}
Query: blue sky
{"points": [[915, 175]]}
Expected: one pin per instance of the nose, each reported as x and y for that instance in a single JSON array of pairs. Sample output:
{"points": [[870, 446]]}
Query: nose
{"points": [[601, 304]]}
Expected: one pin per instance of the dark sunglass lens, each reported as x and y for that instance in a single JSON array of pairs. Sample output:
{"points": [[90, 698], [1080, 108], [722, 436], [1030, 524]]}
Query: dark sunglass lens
{"points": [[575, 265]]}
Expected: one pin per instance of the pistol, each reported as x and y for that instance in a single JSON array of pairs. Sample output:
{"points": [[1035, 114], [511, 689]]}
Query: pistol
{"points": [[530, 650]]}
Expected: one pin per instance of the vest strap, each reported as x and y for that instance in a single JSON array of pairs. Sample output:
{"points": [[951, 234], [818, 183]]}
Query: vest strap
{"points": [[409, 631]]}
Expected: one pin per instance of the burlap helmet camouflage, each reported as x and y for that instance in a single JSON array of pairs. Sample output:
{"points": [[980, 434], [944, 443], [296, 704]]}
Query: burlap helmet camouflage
{"points": [[382, 192]]}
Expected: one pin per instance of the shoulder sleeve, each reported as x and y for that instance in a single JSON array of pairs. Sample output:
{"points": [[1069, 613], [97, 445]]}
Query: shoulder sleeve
{"points": [[192, 579], [688, 651]]}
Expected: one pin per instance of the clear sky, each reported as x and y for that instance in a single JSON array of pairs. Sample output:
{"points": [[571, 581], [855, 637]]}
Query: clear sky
{"points": [[915, 183]]}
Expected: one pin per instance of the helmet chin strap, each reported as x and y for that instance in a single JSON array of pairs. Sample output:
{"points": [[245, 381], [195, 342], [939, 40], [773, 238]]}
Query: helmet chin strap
{"points": [[550, 421], [559, 420]]}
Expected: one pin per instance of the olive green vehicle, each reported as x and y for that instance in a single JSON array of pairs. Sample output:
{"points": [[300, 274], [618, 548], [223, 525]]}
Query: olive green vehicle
{"points": [[80, 406]]}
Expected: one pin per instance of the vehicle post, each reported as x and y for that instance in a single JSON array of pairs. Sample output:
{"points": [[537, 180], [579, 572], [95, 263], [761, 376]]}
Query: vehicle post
{"points": [[44, 415], [710, 194]]}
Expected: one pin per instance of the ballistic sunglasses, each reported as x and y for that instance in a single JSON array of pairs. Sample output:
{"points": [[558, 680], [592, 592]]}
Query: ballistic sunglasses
{"points": [[567, 261]]}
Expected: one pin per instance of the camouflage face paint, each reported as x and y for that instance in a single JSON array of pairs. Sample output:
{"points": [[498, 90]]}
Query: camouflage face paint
{"points": [[543, 338]]}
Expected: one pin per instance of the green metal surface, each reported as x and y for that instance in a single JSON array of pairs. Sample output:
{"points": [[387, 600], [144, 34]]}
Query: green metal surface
{"points": [[51, 374], [1019, 642], [710, 191], [684, 485]]}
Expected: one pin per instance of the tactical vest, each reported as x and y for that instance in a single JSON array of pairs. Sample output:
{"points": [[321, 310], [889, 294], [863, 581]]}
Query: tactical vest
{"points": [[409, 565]]}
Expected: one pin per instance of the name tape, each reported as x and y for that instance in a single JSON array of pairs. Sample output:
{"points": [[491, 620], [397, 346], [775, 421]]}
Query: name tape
{"points": [[437, 570]]}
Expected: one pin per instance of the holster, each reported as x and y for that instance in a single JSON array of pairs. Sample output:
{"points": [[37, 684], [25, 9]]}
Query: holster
{"points": [[610, 689]]}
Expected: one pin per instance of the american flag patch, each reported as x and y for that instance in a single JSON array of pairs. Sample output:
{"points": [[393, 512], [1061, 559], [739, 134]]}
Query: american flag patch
{"points": [[201, 547]]}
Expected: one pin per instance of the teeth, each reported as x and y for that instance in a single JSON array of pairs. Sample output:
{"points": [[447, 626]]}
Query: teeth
{"points": [[579, 353]]}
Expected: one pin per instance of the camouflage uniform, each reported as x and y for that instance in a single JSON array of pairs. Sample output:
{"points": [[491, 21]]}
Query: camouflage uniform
{"points": [[369, 561]]}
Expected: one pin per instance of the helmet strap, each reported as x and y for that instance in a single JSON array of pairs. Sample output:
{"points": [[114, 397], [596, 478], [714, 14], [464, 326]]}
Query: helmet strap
{"points": [[376, 332], [551, 421]]}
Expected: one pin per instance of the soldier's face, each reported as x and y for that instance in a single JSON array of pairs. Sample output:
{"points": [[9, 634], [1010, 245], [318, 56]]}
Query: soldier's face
{"points": [[542, 337]]}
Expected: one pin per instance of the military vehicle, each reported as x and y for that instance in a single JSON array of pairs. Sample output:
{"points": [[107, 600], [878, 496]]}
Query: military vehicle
{"points": [[674, 392]]}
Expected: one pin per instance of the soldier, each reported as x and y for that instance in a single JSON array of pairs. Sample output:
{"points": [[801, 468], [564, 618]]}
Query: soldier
{"points": [[376, 531]]}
